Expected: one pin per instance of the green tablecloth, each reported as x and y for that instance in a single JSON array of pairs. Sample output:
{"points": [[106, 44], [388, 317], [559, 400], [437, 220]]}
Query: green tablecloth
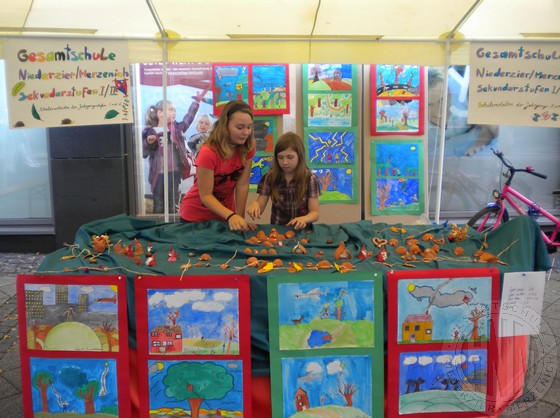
{"points": [[517, 243]]}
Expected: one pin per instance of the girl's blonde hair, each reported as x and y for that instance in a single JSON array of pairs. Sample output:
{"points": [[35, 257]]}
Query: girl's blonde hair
{"points": [[219, 136], [286, 141]]}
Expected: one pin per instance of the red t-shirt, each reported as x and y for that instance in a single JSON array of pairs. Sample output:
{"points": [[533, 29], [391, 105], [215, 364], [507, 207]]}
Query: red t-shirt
{"points": [[226, 173]]}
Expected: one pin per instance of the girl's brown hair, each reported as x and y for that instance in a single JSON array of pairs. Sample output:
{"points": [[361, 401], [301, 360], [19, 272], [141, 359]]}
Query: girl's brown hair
{"points": [[151, 114], [219, 136], [285, 141]]}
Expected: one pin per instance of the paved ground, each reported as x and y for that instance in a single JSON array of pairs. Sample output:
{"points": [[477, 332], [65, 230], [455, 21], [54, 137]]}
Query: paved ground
{"points": [[541, 398]]}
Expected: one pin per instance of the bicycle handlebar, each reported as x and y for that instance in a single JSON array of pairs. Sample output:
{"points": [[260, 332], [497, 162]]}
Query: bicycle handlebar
{"points": [[527, 169]]}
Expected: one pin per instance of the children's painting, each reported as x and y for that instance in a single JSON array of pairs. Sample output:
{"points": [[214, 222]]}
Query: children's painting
{"points": [[441, 341], [231, 82], [326, 344], [270, 89], [444, 310], [329, 109], [71, 317], [74, 345], [331, 146], [193, 321], [397, 174], [194, 346], [197, 389], [338, 184], [329, 76], [397, 117], [260, 166], [74, 386], [396, 100], [333, 386], [326, 314], [265, 132], [397, 80], [443, 381]]}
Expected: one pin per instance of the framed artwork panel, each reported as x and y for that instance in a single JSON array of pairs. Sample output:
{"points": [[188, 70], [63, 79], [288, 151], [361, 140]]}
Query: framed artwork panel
{"points": [[270, 89], [335, 146], [397, 177], [230, 82], [194, 352], [329, 77], [338, 184], [326, 344], [397, 100], [74, 345], [329, 109], [442, 342]]}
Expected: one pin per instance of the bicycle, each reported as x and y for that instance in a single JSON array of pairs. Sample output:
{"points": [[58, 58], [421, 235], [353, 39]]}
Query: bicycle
{"points": [[492, 216]]}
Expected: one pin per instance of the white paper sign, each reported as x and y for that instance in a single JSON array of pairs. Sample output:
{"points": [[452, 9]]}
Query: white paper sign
{"points": [[521, 303], [515, 84], [58, 82]]}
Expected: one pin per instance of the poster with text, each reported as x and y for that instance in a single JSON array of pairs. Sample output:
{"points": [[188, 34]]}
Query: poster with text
{"points": [[58, 82], [190, 121], [515, 84]]}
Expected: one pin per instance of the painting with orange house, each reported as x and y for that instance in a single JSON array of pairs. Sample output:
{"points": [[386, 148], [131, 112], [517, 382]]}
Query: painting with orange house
{"points": [[442, 341]]}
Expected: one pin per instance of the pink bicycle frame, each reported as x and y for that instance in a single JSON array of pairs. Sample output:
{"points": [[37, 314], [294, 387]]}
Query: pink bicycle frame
{"points": [[509, 191]]}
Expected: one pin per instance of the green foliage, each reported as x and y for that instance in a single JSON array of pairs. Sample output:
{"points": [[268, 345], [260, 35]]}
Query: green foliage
{"points": [[189, 380]]}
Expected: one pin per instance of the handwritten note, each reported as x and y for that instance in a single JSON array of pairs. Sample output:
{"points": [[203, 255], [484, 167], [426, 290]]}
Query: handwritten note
{"points": [[55, 82], [515, 84], [521, 304]]}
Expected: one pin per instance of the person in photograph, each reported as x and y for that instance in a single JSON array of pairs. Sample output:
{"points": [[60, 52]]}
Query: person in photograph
{"points": [[179, 159], [203, 128]]}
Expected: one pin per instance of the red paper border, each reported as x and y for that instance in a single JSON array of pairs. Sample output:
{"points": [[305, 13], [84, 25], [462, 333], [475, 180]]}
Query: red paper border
{"points": [[121, 357], [264, 112], [218, 109], [373, 105], [394, 349], [240, 282]]}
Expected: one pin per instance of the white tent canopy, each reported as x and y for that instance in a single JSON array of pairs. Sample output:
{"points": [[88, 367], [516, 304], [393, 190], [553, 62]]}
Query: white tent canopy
{"points": [[294, 31]]}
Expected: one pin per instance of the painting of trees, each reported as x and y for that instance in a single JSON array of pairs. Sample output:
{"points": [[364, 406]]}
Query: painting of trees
{"points": [[230, 332], [196, 382], [348, 391], [88, 390], [42, 380], [383, 193]]}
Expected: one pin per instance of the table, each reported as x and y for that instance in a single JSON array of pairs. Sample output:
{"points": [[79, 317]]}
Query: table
{"points": [[517, 244]]}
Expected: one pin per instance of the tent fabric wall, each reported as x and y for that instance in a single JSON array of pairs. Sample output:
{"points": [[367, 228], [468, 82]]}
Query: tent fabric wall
{"points": [[294, 31]]}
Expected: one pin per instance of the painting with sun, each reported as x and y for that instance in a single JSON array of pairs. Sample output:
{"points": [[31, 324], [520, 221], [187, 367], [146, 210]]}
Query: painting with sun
{"points": [[397, 168], [74, 345]]}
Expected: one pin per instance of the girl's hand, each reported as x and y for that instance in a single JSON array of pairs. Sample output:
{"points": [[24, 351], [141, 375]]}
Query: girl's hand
{"points": [[254, 210], [297, 223], [151, 139], [238, 224]]}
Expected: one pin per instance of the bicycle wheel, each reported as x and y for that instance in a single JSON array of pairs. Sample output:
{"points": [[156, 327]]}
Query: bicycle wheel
{"points": [[486, 218]]}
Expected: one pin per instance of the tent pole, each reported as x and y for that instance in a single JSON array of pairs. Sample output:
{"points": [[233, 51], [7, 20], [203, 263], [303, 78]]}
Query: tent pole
{"points": [[164, 99], [442, 129]]}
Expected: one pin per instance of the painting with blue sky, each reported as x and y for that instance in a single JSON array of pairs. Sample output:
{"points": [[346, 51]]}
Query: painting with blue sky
{"points": [[396, 174]]}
